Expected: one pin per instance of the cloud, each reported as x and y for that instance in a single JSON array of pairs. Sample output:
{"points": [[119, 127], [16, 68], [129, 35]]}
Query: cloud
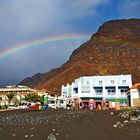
{"points": [[24, 20], [82, 8], [129, 9], [34, 16]]}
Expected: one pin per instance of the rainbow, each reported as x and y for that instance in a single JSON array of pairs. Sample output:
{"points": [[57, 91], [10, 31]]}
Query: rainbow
{"points": [[40, 41]]}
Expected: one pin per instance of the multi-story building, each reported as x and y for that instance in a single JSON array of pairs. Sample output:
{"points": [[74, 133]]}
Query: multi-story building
{"points": [[109, 88]]}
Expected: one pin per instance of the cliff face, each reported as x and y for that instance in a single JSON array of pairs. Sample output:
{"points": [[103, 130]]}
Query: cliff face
{"points": [[114, 49]]}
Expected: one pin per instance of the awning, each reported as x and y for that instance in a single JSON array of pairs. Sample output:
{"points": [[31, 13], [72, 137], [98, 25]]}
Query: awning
{"points": [[116, 100]]}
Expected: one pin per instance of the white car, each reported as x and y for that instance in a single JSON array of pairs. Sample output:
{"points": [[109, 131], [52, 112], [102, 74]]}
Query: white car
{"points": [[23, 107], [51, 104], [26, 105]]}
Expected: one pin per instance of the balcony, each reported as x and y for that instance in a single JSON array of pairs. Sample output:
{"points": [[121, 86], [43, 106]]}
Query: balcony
{"points": [[98, 93], [111, 93]]}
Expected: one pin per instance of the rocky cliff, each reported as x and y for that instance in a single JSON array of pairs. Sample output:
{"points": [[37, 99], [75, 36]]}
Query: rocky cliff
{"points": [[114, 49]]}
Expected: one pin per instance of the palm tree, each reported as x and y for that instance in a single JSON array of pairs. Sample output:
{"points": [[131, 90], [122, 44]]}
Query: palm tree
{"points": [[10, 96], [41, 99], [34, 98], [15, 101]]}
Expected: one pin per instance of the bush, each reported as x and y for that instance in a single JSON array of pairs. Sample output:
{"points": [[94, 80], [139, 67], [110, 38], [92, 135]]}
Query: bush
{"points": [[126, 108], [4, 107]]}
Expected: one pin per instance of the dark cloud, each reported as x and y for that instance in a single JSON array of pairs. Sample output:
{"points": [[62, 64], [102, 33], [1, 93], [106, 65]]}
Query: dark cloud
{"points": [[25, 20]]}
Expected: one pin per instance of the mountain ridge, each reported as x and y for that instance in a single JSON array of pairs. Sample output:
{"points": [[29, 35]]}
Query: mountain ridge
{"points": [[113, 49]]}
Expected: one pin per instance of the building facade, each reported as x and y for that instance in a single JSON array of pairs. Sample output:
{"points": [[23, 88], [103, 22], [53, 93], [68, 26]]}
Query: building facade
{"points": [[134, 95], [18, 91], [108, 88]]}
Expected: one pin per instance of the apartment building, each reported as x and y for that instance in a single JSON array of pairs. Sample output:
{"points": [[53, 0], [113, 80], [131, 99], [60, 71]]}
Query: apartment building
{"points": [[100, 88]]}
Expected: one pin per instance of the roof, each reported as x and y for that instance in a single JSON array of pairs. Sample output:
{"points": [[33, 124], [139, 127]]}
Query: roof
{"points": [[45, 90], [135, 86], [25, 93]]}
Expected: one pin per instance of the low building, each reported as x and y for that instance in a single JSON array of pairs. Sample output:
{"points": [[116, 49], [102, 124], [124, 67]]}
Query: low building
{"points": [[134, 95], [45, 92], [18, 91], [99, 88]]}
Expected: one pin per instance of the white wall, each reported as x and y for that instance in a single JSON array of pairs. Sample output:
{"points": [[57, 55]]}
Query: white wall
{"points": [[134, 94], [88, 82]]}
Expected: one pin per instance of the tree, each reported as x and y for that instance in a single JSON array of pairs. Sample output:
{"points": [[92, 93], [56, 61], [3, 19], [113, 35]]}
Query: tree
{"points": [[41, 99], [34, 98], [15, 101], [10, 96]]}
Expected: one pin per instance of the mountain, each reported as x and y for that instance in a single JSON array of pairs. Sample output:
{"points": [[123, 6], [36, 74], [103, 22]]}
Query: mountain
{"points": [[113, 49]]}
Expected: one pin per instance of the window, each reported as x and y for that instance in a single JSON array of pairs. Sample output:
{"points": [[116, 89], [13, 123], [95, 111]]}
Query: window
{"points": [[123, 90], [123, 81], [64, 93], [111, 90], [100, 82], [98, 90], [112, 82], [75, 90]]}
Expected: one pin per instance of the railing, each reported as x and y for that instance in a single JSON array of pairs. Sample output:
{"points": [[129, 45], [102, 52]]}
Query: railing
{"points": [[123, 93], [111, 93], [85, 91], [98, 93]]}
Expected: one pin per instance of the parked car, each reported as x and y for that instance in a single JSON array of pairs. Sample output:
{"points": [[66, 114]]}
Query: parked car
{"points": [[23, 106], [26, 105], [52, 104]]}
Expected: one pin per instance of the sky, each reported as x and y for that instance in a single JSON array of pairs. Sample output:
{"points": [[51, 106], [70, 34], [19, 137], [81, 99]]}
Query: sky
{"points": [[25, 21]]}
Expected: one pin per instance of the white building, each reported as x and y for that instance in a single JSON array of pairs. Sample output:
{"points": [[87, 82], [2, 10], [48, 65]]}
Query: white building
{"points": [[134, 95], [108, 88], [18, 91]]}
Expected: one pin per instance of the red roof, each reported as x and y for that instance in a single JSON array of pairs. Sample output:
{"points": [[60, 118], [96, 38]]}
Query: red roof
{"points": [[45, 90], [135, 86]]}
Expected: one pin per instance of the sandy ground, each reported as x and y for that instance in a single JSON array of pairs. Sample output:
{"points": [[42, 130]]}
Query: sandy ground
{"points": [[65, 125]]}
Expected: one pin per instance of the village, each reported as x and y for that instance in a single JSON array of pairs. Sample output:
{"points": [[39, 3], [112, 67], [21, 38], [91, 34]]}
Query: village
{"points": [[88, 92], [69, 69], [90, 106]]}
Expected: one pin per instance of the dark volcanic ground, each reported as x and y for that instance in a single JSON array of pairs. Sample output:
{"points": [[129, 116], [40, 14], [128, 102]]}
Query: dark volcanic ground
{"points": [[65, 125]]}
